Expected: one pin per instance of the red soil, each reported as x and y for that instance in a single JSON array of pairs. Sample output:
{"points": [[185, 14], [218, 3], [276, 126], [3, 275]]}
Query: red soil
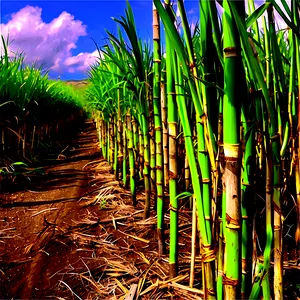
{"points": [[55, 243]]}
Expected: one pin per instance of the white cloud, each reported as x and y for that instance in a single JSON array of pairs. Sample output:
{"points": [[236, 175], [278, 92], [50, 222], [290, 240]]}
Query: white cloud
{"points": [[48, 43]]}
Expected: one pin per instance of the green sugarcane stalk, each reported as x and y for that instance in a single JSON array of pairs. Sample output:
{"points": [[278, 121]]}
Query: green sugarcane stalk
{"points": [[100, 133], [208, 254], [231, 123], [136, 146], [115, 147], [132, 178], [135, 133], [152, 150], [171, 70], [146, 169], [202, 125], [158, 131], [269, 229], [207, 126], [222, 219], [247, 194], [120, 156], [141, 151], [278, 270], [257, 76], [109, 141], [152, 157], [125, 155], [104, 137], [221, 249], [297, 117], [164, 114]]}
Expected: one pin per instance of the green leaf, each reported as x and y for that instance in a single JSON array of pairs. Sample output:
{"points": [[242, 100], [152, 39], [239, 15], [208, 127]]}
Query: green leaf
{"points": [[180, 50], [183, 195], [257, 13], [284, 17], [19, 163], [252, 62]]}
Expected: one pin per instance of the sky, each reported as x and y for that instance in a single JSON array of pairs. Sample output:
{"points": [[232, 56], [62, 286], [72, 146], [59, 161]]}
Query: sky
{"points": [[60, 34]]}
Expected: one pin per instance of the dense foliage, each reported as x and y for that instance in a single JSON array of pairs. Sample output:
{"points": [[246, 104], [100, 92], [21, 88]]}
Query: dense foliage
{"points": [[32, 107], [216, 119]]}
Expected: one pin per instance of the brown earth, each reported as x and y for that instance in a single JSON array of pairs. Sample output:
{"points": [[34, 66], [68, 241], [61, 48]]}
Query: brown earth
{"points": [[77, 83], [73, 234]]}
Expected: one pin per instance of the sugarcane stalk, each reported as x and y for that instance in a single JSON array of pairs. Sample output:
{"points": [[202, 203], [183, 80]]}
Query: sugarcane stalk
{"points": [[158, 131], [208, 254], [135, 133], [296, 19], [231, 123], [146, 169], [193, 243], [278, 276], [152, 157], [187, 175], [173, 171], [132, 178], [247, 194], [125, 156], [109, 142], [141, 152], [115, 147], [104, 137], [165, 131], [202, 127], [269, 229], [220, 263], [120, 156]]}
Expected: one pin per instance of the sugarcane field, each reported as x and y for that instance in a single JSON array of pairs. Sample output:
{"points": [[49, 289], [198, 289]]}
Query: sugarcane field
{"points": [[171, 171]]}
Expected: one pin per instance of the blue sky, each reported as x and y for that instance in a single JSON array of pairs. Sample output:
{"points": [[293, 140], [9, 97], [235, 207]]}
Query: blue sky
{"points": [[59, 32]]}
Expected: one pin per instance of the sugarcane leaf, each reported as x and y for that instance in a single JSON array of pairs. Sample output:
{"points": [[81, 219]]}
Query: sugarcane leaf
{"points": [[276, 53], [179, 47], [286, 7], [285, 18], [19, 163], [183, 195], [257, 13], [253, 64], [249, 131], [211, 84], [216, 30]]}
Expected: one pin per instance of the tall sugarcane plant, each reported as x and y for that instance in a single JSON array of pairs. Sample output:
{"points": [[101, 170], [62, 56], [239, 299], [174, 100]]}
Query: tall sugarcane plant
{"points": [[215, 118], [158, 129], [234, 91], [33, 108]]}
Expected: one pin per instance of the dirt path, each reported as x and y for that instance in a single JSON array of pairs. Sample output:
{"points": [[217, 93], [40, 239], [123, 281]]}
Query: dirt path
{"points": [[29, 219], [73, 234]]}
